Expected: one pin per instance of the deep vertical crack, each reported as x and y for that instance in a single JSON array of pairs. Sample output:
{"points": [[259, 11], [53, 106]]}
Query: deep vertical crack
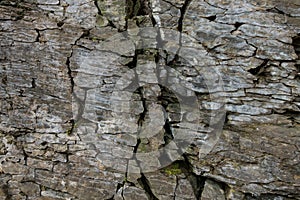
{"points": [[143, 114], [140, 91], [197, 182], [97, 6], [70, 72], [296, 45], [167, 97], [85, 33], [33, 84], [183, 11], [143, 181], [25, 157], [38, 35], [176, 186], [183, 166], [137, 8]]}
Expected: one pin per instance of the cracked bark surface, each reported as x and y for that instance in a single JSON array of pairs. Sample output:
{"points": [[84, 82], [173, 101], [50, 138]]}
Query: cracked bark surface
{"points": [[58, 136]]}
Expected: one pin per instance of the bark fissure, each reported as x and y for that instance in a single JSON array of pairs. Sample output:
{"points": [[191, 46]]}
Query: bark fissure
{"points": [[259, 69], [183, 11], [197, 182], [296, 45], [143, 181], [137, 8]]}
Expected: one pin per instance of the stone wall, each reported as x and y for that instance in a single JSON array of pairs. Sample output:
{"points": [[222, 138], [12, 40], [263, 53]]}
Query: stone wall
{"points": [[149, 99]]}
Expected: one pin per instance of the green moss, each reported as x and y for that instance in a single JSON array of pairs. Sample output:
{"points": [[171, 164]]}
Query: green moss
{"points": [[94, 39], [173, 169], [142, 148], [101, 21], [71, 129]]}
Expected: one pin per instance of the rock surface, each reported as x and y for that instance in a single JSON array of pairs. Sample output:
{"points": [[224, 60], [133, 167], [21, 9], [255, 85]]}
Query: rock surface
{"points": [[149, 99]]}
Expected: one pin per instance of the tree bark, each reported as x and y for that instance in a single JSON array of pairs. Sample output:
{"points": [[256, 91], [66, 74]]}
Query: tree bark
{"points": [[149, 99]]}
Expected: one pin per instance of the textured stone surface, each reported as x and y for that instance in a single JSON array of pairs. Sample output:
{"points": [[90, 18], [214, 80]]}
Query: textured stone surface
{"points": [[94, 107]]}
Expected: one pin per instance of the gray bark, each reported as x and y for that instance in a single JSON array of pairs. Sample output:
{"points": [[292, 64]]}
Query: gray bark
{"points": [[149, 99]]}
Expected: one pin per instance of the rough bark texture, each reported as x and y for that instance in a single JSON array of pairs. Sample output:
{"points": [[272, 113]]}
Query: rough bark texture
{"points": [[59, 137]]}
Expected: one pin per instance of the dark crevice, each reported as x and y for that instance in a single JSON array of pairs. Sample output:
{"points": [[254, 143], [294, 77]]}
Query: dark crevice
{"points": [[212, 18], [38, 35], [183, 11], [146, 186], [222, 185], [137, 8], [140, 124], [143, 114], [85, 33], [164, 158], [142, 181], [259, 69], [110, 23], [255, 51], [154, 23], [132, 64], [226, 118], [167, 97], [98, 8], [237, 25], [70, 72], [138, 142], [144, 8], [21, 92], [213, 49], [296, 45], [25, 157], [197, 182], [33, 84], [71, 129], [168, 132], [44, 143], [60, 23], [184, 167]]}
